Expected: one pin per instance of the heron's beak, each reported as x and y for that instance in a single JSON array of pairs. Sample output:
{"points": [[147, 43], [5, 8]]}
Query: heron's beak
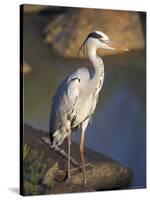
{"points": [[116, 46]]}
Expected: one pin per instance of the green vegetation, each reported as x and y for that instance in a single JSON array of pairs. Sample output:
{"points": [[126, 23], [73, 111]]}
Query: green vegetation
{"points": [[26, 150], [34, 171], [38, 178]]}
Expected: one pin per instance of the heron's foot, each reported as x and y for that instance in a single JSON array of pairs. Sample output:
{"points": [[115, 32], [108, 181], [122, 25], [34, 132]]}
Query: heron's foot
{"points": [[84, 182], [68, 179]]}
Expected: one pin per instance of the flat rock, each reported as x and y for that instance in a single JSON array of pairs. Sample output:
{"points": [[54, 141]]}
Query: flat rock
{"points": [[70, 188], [105, 173]]}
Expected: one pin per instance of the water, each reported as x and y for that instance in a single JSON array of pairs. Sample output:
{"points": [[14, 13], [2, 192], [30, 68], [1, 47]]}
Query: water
{"points": [[118, 127]]}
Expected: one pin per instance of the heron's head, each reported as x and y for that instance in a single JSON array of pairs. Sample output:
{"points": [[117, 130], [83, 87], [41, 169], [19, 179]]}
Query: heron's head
{"points": [[99, 39]]}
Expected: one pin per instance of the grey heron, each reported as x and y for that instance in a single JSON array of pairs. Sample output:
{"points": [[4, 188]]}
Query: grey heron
{"points": [[75, 99]]}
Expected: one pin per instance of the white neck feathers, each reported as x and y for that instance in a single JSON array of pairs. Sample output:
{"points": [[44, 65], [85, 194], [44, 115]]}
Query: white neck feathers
{"points": [[96, 61]]}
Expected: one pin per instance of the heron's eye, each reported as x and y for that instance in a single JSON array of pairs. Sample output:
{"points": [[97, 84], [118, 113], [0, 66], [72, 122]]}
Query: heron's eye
{"points": [[100, 36], [101, 39]]}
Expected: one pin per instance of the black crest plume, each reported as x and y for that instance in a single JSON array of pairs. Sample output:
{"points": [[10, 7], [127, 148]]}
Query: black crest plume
{"points": [[91, 35]]}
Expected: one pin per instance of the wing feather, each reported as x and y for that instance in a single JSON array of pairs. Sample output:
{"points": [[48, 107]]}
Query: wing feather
{"points": [[64, 102]]}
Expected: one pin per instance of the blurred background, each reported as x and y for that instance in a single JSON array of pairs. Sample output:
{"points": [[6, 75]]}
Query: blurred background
{"points": [[51, 39]]}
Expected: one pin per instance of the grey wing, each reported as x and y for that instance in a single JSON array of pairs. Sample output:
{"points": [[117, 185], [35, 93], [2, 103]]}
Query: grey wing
{"points": [[65, 99]]}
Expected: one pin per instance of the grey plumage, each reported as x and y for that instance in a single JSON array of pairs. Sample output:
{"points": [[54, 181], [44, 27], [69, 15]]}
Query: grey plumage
{"points": [[76, 97], [69, 102]]}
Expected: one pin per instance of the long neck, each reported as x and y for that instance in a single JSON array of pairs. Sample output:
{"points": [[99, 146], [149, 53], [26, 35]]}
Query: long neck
{"points": [[96, 61]]}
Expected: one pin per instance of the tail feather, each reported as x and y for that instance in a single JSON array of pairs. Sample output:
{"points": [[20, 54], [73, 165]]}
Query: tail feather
{"points": [[57, 138]]}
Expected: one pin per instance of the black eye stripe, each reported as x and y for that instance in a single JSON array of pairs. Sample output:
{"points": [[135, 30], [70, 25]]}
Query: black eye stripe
{"points": [[95, 35], [101, 39]]}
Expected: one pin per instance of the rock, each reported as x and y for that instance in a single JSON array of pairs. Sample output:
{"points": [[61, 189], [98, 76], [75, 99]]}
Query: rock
{"points": [[49, 177], [26, 68], [104, 174], [111, 176], [67, 32], [70, 188], [53, 174]]}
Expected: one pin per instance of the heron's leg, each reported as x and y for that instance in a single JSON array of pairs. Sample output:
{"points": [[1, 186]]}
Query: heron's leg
{"points": [[69, 153], [82, 156], [84, 126]]}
